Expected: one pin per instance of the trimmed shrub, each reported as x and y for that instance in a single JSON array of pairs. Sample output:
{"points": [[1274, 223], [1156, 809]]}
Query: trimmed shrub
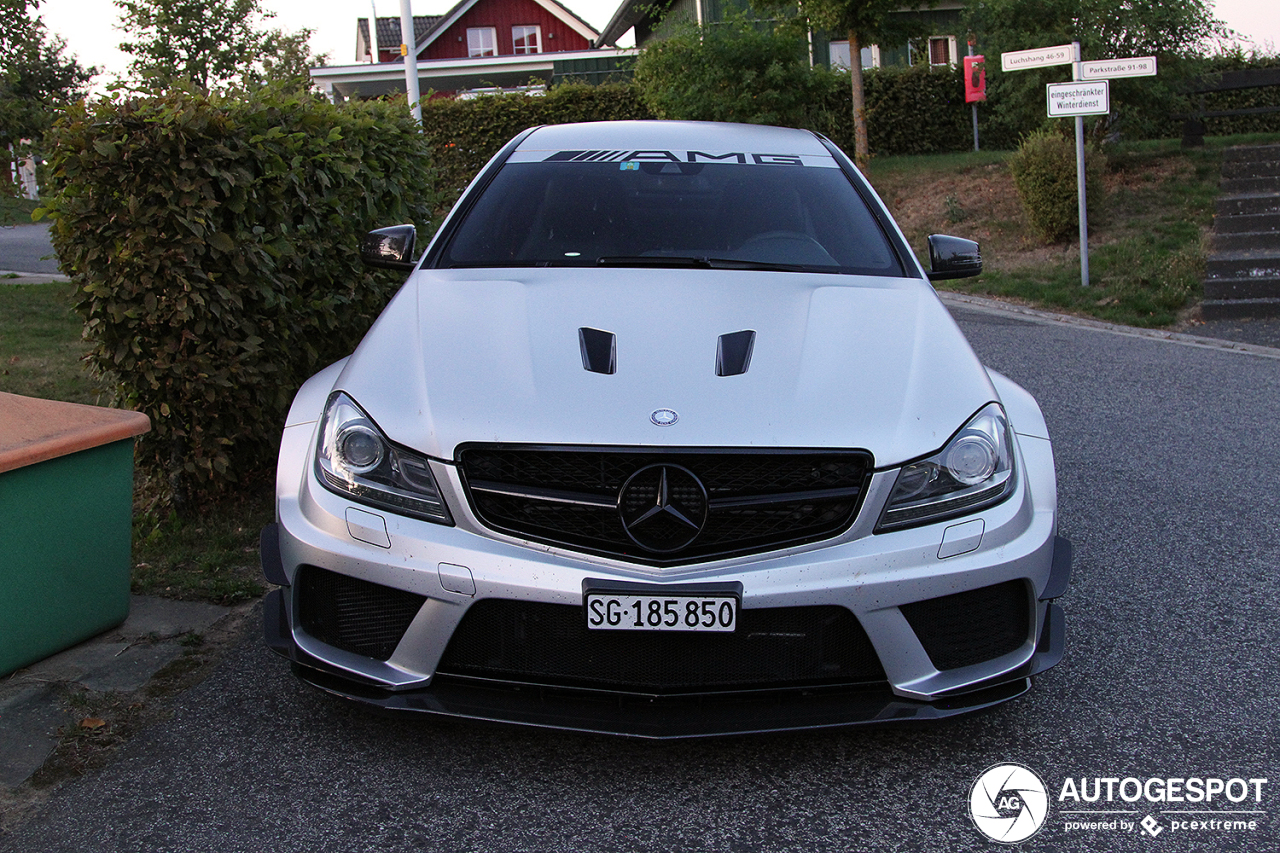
{"points": [[915, 110], [214, 244], [1044, 173], [463, 135]]}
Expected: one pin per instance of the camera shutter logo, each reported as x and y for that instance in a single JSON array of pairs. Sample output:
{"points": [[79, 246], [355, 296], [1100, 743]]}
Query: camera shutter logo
{"points": [[1008, 803]]}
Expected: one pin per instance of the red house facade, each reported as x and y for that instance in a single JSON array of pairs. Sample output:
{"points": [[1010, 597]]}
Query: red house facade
{"points": [[475, 29]]}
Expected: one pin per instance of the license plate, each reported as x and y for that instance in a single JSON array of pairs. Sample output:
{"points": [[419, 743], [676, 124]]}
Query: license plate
{"points": [[621, 612]]}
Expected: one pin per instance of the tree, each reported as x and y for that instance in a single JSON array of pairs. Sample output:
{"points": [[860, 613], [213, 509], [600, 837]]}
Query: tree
{"points": [[14, 25], [209, 42], [866, 22], [1177, 32], [36, 80]]}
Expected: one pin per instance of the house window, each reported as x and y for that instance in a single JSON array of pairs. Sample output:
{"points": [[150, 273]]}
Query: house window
{"points": [[840, 55], [942, 50], [527, 39], [482, 41]]}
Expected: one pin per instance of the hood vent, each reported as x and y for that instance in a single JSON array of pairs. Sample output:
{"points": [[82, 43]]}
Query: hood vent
{"points": [[599, 350], [733, 352]]}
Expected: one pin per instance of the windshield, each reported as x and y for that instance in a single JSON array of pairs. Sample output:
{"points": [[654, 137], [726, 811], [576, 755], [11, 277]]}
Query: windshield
{"points": [[642, 213]]}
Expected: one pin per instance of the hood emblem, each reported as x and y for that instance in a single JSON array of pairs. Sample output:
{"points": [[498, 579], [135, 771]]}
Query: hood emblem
{"points": [[663, 507], [664, 417]]}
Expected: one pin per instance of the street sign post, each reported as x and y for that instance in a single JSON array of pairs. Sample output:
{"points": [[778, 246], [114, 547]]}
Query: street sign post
{"points": [[1088, 94]]}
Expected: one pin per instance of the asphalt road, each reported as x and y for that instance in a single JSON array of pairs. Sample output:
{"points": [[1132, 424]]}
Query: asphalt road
{"points": [[1168, 457], [26, 248]]}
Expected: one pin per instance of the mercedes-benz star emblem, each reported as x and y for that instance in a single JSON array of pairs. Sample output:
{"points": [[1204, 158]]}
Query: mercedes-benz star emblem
{"points": [[663, 507], [664, 417]]}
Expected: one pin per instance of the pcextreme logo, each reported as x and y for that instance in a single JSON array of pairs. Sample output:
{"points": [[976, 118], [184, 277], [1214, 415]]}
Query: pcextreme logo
{"points": [[1010, 803]]}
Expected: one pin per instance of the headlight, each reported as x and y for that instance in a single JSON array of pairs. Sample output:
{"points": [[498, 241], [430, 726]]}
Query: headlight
{"points": [[974, 471], [354, 459]]}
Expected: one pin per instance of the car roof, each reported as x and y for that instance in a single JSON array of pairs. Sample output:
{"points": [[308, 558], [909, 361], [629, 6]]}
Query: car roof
{"points": [[672, 135]]}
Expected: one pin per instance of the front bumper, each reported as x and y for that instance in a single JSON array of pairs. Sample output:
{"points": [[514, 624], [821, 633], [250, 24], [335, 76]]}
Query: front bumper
{"points": [[659, 717], [877, 577]]}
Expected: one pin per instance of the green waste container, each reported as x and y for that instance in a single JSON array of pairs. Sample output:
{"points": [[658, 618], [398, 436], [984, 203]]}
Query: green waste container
{"points": [[66, 510]]}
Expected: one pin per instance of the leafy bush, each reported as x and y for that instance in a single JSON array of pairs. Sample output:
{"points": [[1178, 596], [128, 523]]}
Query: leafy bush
{"points": [[463, 135], [913, 110], [213, 242], [731, 71], [1044, 173]]}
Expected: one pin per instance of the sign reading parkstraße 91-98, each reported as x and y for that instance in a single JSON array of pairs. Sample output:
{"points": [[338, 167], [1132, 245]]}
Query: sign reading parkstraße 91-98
{"points": [[1078, 99]]}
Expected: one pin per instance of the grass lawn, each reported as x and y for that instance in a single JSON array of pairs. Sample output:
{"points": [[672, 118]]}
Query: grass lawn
{"points": [[14, 211], [1147, 245]]}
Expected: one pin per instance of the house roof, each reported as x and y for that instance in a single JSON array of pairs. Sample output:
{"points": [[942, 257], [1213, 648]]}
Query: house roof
{"points": [[627, 15]]}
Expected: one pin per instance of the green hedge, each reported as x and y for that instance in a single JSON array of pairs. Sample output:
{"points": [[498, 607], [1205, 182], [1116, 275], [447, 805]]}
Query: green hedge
{"points": [[463, 135], [214, 245], [915, 110]]}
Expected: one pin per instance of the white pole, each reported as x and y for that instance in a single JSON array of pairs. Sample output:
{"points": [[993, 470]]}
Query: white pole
{"points": [[1080, 196], [409, 50], [975, 111]]}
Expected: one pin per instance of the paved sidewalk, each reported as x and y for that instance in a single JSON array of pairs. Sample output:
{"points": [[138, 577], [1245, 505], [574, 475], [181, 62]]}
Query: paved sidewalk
{"points": [[35, 702]]}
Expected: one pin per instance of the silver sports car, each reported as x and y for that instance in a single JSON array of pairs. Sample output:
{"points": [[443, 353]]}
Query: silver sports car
{"points": [[667, 434]]}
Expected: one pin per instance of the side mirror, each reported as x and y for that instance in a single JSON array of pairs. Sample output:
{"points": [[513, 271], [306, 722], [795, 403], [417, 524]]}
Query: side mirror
{"points": [[953, 257], [389, 248]]}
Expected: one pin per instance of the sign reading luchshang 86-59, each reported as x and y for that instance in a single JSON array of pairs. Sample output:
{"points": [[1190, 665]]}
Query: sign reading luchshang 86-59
{"points": [[1090, 98]]}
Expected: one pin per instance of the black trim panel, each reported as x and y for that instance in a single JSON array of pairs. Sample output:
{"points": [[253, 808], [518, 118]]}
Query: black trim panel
{"points": [[269, 555]]}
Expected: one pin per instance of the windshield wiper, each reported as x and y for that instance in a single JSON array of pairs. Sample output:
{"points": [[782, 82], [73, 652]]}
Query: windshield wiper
{"points": [[671, 261]]}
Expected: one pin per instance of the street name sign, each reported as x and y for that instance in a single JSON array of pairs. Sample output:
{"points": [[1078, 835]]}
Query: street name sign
{"points": [[1078, 99], [1107, 69], [1041, 57]]}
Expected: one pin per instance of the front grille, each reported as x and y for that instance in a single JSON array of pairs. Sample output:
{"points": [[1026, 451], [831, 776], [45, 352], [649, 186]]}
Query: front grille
{"points": [[550, 644], [730, 502], [972, 627], [354, 615]]}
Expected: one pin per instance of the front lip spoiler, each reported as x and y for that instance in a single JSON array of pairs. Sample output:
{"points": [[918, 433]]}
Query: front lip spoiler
{"points": [[660, 718]]}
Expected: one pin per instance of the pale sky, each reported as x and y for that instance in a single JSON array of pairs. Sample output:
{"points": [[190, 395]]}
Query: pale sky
{"points": [[89, 26]]}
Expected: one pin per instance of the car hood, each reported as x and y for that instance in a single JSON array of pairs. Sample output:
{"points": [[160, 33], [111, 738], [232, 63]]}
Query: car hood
{"points": [[838, 361]]}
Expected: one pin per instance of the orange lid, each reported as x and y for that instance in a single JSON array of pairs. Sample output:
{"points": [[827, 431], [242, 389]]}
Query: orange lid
{"points": [[33, 430]]}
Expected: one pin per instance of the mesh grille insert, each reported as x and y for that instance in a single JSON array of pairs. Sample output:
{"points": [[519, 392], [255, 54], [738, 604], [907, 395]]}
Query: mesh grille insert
{"points": [[550, 644], [354, 615], [972, 627], [754, 501]]}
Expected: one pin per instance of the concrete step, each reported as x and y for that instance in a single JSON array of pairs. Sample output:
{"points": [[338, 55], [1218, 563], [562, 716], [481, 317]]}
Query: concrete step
{"points": [[1247, 186], [1243, 264], [1251, 168], [1242, 288], [1256, 223], [1248, 203], [1231, 309], [1251, 152], [1245, 241]]}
